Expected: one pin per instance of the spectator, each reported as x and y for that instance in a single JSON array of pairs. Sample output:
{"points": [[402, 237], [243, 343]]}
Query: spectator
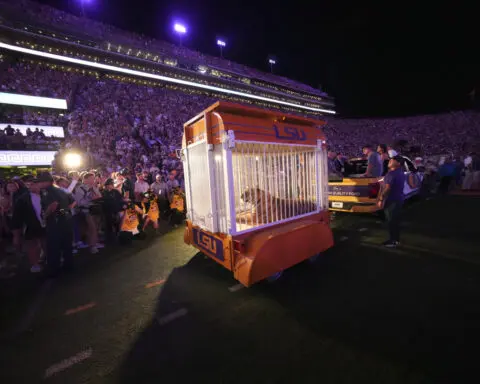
{"points": [[28, 214], [9, 131], [86, 195], [160, 190], [391, 199], [112, 205], [141, 186], [56, 206], [128, 188], [172, 184], [334, 166], [374, 164], [384, 157]]}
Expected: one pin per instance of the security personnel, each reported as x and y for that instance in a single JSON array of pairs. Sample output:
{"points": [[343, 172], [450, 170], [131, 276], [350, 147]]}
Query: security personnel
{"points": [[56, 208]]}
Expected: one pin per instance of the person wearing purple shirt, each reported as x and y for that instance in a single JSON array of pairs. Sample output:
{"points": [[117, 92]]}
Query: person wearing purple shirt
{"points": [[391, 198]]}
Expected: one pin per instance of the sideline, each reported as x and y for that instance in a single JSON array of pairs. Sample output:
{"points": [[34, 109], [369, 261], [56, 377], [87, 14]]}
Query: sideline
{"points": [[172, 316], [67, 363], [80, 308]]}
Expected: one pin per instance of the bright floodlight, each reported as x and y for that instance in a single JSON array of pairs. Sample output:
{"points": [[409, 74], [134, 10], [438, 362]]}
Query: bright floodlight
{"points": [[180, 28], [271, 61], [221, 43], [72, 160]]}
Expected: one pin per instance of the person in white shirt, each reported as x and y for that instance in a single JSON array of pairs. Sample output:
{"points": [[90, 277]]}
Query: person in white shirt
{"points": [[85, 196], [141, 186]]}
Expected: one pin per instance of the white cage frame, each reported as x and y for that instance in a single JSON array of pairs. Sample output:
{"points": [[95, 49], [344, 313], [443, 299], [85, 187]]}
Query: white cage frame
{"points": [[222, 162]]}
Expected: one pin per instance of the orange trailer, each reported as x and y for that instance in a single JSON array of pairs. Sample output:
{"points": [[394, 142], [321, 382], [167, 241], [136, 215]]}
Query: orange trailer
{"points": [[256, 186]]}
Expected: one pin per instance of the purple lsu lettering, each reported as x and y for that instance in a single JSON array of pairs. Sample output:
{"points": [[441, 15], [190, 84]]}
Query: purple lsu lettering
{"points": [[206, 242], [290, 133]]}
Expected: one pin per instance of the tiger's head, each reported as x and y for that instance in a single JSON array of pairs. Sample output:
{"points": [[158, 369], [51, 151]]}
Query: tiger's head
{"points": [[253, 196]]}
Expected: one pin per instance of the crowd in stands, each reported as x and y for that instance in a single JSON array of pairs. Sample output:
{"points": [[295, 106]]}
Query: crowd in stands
{"points": [[13, 139], [121, 124], [455, 133]]}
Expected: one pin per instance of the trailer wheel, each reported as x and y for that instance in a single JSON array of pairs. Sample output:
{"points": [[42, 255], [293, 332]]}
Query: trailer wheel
{"points": [[274, 277]]}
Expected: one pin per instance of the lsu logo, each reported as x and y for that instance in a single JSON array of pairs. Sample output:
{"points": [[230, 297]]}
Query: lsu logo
{"points": [[209, 244], [290, 133]]}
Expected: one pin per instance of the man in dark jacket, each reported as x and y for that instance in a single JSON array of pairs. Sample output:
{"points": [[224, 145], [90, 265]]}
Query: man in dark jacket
{"points": [[112, 205], [27, 215], [160, 190], [128, 188], [56, 208]]}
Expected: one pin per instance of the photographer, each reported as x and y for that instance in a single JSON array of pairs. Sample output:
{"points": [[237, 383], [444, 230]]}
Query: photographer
{"points": [[87, 196]]}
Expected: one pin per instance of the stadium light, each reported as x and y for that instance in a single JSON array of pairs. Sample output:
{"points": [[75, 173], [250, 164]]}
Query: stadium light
{"points": [[272, 62], [72, 160], [181, 30], [167, 79], [221, 45], [82, 5]]}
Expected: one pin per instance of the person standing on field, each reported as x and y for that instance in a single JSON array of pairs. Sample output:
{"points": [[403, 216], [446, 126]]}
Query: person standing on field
{"points": [[391, 199]]}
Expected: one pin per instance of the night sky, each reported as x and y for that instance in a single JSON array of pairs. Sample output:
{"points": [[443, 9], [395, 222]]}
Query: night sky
{"points": [[374, 60]]}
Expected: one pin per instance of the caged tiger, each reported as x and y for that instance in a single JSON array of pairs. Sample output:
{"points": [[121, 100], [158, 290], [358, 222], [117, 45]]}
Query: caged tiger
{"points": [[266, 208]]}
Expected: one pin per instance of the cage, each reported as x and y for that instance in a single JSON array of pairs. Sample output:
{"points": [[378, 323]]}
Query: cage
{"points": [[251, 173]]}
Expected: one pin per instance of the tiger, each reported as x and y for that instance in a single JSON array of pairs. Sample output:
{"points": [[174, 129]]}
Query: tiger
{"points": [[267, 208]]}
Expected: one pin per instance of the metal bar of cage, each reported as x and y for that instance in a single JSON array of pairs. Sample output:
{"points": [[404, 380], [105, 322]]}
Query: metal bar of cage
{"points": [[230, 190], [258, 178], [318, 176]]}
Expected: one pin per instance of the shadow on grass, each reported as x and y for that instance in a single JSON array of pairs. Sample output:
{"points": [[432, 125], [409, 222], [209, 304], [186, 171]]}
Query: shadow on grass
{"points": [[359, 315]]}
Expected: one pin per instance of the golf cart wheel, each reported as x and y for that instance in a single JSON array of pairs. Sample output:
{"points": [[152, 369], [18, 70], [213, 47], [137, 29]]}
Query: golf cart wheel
{"points": [[275, 277]]}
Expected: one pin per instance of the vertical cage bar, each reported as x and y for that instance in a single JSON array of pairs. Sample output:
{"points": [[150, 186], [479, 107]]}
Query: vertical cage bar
{"points": [[265, 178], [229, 177], [251, 173], [284, 184], [312, 187], [255, 178], [319, 179], [295, 182], [275, 178], [249, 218], [325, 178], [312, 178], [242, 183], [301, 171], [289, 184], [236, 185], [307, 182], [269, 185], [280, 178], [315, 179]]}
